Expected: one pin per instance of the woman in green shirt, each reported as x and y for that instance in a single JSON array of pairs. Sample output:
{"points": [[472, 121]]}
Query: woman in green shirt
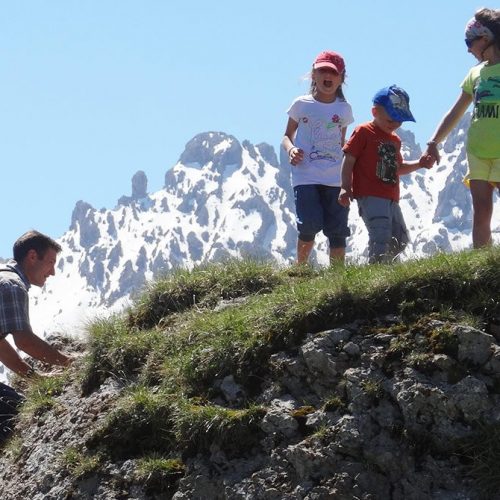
{"points": [[482, 87]]}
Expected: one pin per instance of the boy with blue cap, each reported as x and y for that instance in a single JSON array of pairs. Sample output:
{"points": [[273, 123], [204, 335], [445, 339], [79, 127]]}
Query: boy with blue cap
{"points": [[370, 173]]}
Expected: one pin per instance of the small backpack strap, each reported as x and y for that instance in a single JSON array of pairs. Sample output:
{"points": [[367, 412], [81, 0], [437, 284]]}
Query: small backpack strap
{"points": [[8, 269]]}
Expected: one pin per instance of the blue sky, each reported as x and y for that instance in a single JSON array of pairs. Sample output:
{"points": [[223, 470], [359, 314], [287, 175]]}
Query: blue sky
{"points": [[93, 90]]}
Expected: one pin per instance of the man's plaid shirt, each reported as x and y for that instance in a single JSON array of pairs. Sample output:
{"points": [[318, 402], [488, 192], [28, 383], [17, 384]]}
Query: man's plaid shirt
{"points": [[14, 299]]}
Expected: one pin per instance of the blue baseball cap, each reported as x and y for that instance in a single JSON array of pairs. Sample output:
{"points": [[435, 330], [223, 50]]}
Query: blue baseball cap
{"points": [[396, 102]]}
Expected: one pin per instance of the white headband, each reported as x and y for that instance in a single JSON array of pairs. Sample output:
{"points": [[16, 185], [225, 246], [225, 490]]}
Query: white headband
{"points": [[475, 29]]}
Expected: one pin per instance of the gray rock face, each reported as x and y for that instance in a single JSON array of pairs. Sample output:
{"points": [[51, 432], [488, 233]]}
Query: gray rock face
{"points": [[139, 185], [474, 346], [130, 280], [278, 418], [356, 453], [82, 220], [217, 147], [139, 192], [344, 418], [411, 149]]}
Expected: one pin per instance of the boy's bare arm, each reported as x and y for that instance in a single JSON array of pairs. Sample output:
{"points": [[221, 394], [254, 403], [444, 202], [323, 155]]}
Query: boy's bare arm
{"points": [[425, 161]]}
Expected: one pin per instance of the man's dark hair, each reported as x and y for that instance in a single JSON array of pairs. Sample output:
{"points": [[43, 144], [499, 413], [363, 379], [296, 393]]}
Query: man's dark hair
{"points": [[33, 240]]}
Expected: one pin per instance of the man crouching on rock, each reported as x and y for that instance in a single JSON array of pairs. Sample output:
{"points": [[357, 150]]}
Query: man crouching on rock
{"points": [[34, 260]]}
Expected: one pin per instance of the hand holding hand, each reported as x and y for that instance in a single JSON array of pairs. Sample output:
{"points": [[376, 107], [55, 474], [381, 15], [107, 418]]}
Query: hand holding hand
{"points": [[432, 150], [426, 160]]}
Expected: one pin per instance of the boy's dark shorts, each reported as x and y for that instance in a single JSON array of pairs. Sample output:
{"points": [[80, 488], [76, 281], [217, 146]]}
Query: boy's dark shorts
{"points": [[318, 210]]}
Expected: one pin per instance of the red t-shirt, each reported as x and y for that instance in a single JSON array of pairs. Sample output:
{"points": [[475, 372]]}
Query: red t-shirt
{"points": [[378, 157]]}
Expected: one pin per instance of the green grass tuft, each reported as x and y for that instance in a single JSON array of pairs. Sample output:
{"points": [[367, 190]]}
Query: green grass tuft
{"points": [[443, 340], [79, 464], [141, 423], [117, 351], [235, 431], [334, 403], [203, 287], [41, 395], [158, 473], [373, 389]]}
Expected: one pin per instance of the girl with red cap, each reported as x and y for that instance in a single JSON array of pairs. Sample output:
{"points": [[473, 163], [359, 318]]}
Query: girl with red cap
{"points": [[313, 140]]}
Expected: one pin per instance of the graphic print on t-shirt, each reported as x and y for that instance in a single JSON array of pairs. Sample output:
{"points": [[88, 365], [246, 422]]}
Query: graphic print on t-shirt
{"points": [[325, 140], [387, 163], [487, 98]]}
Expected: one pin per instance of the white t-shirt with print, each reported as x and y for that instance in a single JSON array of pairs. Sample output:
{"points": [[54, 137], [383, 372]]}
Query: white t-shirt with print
{"points": [[319, 135]]}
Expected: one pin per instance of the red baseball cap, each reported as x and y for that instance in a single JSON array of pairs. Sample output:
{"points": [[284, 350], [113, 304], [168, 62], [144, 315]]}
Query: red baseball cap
{"points": [[329, 59]]}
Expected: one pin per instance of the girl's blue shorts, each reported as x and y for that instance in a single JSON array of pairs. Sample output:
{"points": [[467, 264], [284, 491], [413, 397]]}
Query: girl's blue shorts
{"points": [[318, 210]]}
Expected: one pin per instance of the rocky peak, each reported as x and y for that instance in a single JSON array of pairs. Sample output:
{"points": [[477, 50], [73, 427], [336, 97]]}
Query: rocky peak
{"points": [[79, 213], [217, 147], [411, 150], [268, 153], [139, 185], [139, 190], [83, 217]]}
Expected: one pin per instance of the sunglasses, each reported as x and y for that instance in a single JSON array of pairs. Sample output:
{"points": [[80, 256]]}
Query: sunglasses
{"points": [[470, 41]]}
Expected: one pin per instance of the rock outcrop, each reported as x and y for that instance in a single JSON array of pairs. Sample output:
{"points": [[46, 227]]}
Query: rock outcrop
{"points": [[371, 410]]}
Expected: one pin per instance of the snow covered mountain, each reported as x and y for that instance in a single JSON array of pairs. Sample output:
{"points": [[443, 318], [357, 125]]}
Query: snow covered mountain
{"points": [[226, 198]]}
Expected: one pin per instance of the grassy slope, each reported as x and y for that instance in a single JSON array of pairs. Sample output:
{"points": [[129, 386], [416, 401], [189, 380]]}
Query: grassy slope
{"points": [[179, 338]]}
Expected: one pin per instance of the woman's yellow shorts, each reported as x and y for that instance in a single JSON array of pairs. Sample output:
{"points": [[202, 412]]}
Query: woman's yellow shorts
{"points": [[483, 169]]}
